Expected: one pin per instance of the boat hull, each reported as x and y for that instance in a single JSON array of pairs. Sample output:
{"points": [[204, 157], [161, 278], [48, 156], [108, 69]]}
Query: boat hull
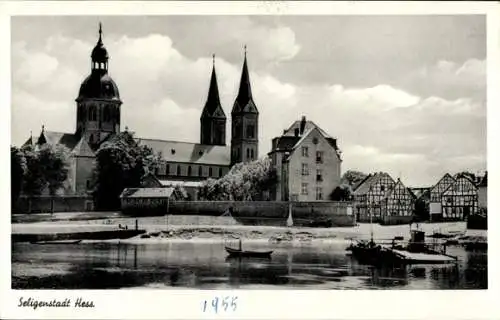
{"points": [[56, 242], [246, 253]]}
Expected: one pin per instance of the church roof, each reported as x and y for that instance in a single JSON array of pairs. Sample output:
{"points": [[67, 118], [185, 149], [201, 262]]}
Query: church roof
{"points": [[186, 152], [213, 107], [69, 140]]}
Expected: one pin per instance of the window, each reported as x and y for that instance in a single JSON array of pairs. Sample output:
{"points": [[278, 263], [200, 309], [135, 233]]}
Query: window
{"points": [[178, 170], [190, 171], [91, 138], [200, 171], [382, 188], [248, 153], [167, 171], [305, 152], [88, 184], [319, 175], [303, 189], [210, 171], [106, 114], [220, 172], [250, 131], [251, 154], [319, 193], [305, 169], [319, 156]]}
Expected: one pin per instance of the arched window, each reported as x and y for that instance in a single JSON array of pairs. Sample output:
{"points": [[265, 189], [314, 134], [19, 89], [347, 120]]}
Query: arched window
{"points": [[248, 153], [251, 154], [189, 171], [210, 171], [178, 170], [220, 172], [200, 171]]}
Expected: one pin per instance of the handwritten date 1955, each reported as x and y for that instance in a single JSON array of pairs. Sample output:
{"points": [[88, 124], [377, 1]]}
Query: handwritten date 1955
{"points": [[220, 304]]}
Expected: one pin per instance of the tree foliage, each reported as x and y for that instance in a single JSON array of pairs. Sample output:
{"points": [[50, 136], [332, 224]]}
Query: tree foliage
{"points": [[17, 171], [341, 193], [244, 182], [352, 177], [47, 167], [120, 163]]}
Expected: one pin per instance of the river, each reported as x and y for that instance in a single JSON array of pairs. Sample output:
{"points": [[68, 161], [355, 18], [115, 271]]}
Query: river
{"points": [[198, 265]]}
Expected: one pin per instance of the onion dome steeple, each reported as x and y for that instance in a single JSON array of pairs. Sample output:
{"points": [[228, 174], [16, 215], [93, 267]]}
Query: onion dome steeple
{"points": [[99, 84]]}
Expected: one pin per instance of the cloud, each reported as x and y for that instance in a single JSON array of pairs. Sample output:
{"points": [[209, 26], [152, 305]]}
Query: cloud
{"points": [[380, 128], [450, 80]]}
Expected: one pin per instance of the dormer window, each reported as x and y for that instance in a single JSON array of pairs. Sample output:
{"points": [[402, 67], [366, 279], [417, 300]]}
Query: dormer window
{"points": [[172, 151], [200, 152]]}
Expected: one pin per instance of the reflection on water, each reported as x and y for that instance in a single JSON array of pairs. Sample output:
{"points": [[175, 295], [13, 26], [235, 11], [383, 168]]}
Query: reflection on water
{"points": [[206, 266]]}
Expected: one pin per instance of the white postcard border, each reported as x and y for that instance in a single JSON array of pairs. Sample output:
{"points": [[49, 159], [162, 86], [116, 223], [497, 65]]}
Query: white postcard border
{"points": [[253, 304]]}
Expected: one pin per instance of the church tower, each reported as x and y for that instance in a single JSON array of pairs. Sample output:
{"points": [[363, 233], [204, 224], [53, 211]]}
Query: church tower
{"points": [[244, 122], [98, 103], [213, 119]]}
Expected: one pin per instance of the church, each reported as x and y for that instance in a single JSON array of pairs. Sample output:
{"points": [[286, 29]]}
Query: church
{"points": [[98, 114]]}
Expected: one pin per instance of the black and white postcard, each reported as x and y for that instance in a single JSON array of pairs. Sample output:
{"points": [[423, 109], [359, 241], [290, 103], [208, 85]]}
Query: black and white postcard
{"points": [[249, 160]]}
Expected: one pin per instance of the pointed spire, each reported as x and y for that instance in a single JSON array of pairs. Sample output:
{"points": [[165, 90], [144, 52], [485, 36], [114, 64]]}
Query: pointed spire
{"points": [[245, 90], [213, 98], [100, 33]]}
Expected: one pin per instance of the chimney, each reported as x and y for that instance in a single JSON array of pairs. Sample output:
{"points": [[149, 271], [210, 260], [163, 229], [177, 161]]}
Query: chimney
{"points": [[296, 132], [302, 125]]}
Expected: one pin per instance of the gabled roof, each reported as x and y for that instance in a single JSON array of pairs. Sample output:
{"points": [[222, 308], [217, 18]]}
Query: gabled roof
{"points": [[443, 183], [289, 141], [457, 183], [186, 152], [399, 185], [365, 186], [357, 185]]}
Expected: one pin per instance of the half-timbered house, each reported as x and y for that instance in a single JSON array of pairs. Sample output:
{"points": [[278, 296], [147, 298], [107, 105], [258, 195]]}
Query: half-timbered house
{"points": [[436, 194], [398, 205], [369, 196], [459, 200]]}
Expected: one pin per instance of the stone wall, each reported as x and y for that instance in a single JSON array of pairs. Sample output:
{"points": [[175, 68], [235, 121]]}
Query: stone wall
{"points": [[314, 213], [53, 204]]}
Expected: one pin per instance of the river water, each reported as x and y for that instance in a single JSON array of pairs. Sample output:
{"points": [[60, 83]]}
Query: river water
{"points": [[198, 265]]}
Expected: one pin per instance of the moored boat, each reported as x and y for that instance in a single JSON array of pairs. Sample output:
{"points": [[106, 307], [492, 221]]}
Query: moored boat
{"points": [[57, 242], [248, 253]]}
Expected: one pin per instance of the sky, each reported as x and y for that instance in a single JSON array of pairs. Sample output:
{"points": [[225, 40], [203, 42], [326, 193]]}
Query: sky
{"points": [[402, 94]]}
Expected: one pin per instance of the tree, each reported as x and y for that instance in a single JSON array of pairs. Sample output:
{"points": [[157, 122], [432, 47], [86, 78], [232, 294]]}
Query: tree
{"points": [[353, 177], [46, 167], [17, 171], [53, 161], [244, 182], [120, 163], [341, 193]]}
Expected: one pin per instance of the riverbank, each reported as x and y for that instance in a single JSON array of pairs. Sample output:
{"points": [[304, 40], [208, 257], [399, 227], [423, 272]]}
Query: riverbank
{"points": [[205, 228]]}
